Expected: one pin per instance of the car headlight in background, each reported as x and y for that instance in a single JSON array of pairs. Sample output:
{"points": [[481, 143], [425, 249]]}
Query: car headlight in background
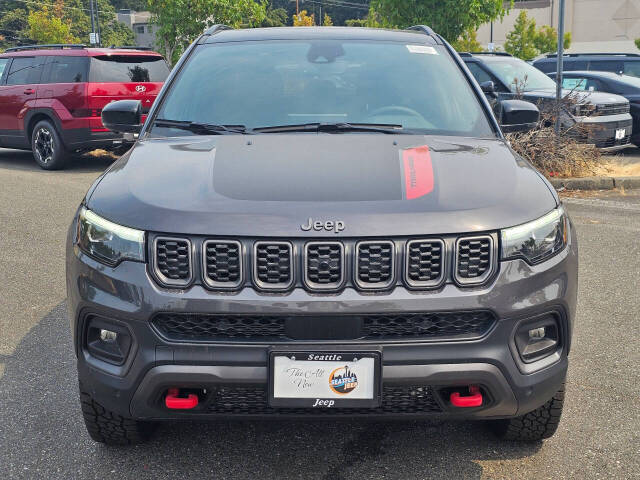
{"points": [[108, 242], [538, 240]]}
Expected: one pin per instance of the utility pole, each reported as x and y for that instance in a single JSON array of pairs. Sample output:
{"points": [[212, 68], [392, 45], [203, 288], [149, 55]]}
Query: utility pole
{"points": [[560, 53], [93, 26]]}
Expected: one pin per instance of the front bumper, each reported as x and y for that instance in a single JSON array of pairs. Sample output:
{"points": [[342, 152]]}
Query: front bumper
{"points": [[129, 296], [601, 131]]}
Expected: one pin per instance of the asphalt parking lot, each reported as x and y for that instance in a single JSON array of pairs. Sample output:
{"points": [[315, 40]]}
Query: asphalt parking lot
{"points": [[41, 430]]}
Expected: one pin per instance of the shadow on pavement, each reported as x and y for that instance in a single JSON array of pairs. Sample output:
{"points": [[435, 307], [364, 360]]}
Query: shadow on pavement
{"points": [[42, 435], [23, 160]]}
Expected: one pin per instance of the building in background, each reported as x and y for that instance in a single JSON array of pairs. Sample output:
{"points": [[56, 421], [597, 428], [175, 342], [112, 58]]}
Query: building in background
{"points": [[139, 22], [595, 25]]}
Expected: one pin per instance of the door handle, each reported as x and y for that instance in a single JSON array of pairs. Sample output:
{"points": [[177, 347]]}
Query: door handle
{"points": [[29, 91]]}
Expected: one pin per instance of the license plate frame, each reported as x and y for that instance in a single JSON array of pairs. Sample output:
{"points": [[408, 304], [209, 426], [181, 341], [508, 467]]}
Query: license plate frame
{"points": [[330, 400]]}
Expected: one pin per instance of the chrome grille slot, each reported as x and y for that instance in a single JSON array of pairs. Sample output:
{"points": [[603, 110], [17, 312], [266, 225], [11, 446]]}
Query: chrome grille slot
{"points": [[172, 261], [324, 265], [474, 259], [425, 261], [375, 264], [222, 263], [273, 265]]}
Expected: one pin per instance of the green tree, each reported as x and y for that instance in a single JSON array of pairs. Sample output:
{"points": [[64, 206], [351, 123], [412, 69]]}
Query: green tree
{"points": [[326, 21], [180, 22], [47, 26], [467, 42], [450, 18], [13, 27], [637, 42], [112, 32], [521, 41], [546, 40], [275, 17], [359, 22]]}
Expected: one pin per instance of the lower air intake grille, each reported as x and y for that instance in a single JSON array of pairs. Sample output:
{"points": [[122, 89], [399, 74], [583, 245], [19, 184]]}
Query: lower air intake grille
{"points": [[279, 328], [273, 265], [425, 262], [252, 400], [173, 261], [474, 259], [222, 263], [324, 265], [374, 264]]}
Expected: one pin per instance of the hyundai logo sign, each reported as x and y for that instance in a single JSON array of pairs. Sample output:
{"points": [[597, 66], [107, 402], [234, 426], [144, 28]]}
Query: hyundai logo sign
{"points": [[141, 88]]}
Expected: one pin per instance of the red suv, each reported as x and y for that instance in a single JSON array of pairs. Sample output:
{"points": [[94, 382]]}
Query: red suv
{"points": [[51, 96]]}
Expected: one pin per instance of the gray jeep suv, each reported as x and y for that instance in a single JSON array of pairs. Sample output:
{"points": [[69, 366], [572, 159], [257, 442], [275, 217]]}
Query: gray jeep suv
{"points": [[321, 222]]}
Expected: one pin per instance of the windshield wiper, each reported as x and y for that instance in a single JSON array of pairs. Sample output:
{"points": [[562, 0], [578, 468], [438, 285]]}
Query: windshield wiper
{"points": [[333, 128], [200, 128]]}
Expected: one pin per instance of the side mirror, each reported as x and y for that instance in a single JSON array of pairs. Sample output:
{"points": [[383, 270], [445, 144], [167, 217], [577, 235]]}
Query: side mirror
{"points": [[488, 87], [518, 116], [123, 116]]}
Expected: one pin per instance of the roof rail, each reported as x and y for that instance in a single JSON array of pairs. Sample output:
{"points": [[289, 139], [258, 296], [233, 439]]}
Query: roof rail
{"points": [[551, 55], [500, 54], [424, 29], [45, 47], [213, 29], [130, 47]]}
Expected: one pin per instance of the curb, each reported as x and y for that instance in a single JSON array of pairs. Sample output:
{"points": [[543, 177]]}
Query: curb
{"points": [[595, 183]]}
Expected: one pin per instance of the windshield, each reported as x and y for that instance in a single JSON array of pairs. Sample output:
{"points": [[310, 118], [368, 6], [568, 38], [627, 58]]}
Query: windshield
{"points": [[518, 75], [127, 68], [275, 83]]}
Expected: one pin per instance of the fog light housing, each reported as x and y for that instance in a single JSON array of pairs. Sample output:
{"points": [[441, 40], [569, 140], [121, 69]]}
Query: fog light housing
{"points": [[107, 341], [538, 339]]}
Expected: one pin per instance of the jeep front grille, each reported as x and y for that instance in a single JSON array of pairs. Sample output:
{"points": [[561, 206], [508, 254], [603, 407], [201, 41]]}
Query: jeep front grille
{"points": [[186, 327], [172, 261], [324, 265], [375, 264], [273, 265], [474, 259], [222, 263]]}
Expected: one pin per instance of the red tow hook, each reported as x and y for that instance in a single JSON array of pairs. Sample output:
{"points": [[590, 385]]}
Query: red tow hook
{"points": [[174, 402], [473, 400]]}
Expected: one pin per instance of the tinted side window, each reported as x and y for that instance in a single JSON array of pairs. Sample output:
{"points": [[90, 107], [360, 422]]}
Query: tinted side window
{"points": [[128, 69], [632, 68], [67, 69], [606, 65], [25, 70], [546, 67], [3, 63], [479, 73]]}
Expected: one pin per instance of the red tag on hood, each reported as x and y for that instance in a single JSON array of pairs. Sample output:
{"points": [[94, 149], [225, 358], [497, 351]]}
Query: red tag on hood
{"points": [[418, 172]]}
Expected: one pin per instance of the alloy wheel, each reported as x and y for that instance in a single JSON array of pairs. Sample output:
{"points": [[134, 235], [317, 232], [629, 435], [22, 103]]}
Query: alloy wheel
{"points": [[44, 145]]}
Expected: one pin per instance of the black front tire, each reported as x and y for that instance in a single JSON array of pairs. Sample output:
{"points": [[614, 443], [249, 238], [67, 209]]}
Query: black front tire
{"points": [[48, 150], [533, 426], [110, 428]]}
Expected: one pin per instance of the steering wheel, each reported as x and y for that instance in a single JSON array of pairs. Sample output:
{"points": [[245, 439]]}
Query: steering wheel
{"points": [[397, 109]]}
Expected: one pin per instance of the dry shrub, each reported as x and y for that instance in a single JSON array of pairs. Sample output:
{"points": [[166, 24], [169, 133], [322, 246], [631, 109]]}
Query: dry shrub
{"points": [[558, 154]]}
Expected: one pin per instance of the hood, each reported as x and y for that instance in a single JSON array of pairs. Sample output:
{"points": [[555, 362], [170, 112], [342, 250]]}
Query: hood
{"points": [[272, 184], [595, 98]]}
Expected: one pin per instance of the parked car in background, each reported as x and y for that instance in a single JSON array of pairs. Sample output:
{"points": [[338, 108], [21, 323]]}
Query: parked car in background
{"points": [[51, 96], [623, 85], [605, 117], [625, 63]]}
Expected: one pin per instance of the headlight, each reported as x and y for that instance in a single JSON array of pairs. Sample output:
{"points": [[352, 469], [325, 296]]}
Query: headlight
{"points": [[108, 242], [536, 241]]}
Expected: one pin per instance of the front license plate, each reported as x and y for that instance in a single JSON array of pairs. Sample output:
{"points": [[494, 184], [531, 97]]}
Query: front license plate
{"points": [[620, 133], [324, 379]]}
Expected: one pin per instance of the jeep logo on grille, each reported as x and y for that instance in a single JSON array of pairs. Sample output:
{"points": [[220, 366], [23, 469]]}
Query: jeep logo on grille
{"points": [[141, 88], [329, 225]]}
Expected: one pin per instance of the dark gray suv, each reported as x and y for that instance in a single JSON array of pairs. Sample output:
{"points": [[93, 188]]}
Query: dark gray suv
{"points": [[321, 222]]}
